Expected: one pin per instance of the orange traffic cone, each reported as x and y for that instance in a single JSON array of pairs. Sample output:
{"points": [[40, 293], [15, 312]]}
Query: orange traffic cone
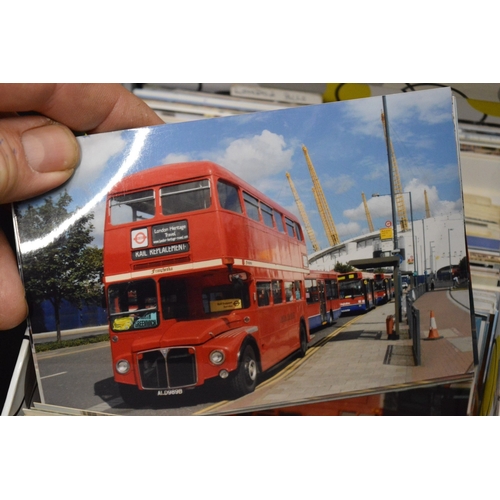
{"points": [[433, 332]]}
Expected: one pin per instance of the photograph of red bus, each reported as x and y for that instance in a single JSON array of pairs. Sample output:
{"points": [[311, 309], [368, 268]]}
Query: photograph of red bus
{"points": [[357, 292], [322, 297], [204, 279]]}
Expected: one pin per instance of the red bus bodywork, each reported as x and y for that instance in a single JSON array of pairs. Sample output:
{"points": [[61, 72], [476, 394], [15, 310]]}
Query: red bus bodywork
{"points": [[323, 299], [204, 279], [356, 291]]}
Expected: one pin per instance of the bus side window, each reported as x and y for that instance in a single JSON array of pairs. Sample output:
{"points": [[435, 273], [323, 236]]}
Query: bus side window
{"points": [[289, 291], [228, 197], [298, 232], [331, 289], [277, 292], [279, 222], [251, 206], [263, 294], [290, 227], [298, 290], [267, 215]]}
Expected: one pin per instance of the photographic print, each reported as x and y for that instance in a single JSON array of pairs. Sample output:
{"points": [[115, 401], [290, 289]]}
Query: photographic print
{"points": [[252, 262]]}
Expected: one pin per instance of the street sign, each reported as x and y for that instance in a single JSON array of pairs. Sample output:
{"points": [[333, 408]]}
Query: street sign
{"points": [[388, 223], [386, 234]]}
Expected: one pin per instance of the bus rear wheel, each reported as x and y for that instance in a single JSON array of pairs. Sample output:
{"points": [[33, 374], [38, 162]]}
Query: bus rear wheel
{"points": [[244, 380]]}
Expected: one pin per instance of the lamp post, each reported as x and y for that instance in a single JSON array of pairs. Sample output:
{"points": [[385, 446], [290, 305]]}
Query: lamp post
{"points": [[449, 249], [425, 256], [432, 256]]}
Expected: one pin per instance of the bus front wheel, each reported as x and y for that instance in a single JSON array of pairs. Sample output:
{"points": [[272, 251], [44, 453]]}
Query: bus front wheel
{"points": [[244, 380]]}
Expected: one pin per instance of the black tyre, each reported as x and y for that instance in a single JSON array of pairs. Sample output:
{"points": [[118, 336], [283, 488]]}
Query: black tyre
{"points": [[303, 340], [244, 379]]}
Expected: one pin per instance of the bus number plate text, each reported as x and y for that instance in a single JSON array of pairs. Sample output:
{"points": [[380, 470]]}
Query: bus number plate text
{"points": [[169, 392]]}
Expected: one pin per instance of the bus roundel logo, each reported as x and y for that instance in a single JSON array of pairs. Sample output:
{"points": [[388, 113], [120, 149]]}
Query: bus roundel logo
{"points": [[139, 238]]}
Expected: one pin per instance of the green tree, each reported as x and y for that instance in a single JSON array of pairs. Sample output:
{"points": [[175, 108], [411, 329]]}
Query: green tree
{"points": [[68, 268], [343, 268]]}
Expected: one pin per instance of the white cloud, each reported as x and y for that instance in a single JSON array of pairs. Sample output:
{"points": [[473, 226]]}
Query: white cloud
{"points": [[348, 230], [381, 206], [255, 158], [436, 206], [176, 158], [97, 150]]}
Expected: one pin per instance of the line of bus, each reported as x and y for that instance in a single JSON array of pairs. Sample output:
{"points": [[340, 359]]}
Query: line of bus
{"points": [[357, 291], [204, 279], [323, 299]]}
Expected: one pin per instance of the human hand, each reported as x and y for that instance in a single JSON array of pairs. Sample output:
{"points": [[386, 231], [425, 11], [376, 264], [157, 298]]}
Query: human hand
{"points": [[38, 151]]}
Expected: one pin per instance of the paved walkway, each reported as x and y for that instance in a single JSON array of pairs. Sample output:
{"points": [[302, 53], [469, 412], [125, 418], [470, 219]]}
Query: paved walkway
{"points": [[357, 359]]}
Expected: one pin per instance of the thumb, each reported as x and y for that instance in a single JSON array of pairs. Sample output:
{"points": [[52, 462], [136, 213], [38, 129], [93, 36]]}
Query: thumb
{"points": [[13, 307], [36, 155]]}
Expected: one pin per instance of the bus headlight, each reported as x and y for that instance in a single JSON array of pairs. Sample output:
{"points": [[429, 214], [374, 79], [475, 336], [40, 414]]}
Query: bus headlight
{"points": [[122, 366], [217, 357]]}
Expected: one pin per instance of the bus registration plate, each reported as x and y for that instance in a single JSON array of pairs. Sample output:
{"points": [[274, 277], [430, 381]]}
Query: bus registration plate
{"points": [[169, 392]]}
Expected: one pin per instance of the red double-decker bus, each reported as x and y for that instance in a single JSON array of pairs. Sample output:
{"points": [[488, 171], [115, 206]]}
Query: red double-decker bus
{"points": [[204, 279], [357, 292], [323, 299]]}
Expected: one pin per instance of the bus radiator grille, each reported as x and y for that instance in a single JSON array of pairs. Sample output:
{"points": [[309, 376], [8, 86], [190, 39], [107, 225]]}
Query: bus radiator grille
{"points": [[168, 369]]}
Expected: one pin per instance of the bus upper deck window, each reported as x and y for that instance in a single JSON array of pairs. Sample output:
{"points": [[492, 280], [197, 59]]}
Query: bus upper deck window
{"points": [[132, 207], [267, 215], [228, 197], [290, 227], [298, 232], [279, 222], [185, 197], [251, 206]]}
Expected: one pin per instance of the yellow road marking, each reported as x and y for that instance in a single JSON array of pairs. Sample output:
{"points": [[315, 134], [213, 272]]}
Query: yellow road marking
{"points": [[289, 368]]}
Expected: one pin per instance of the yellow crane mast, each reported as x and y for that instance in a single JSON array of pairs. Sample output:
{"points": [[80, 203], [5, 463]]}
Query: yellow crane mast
{"points": [[427, 208], [303, 214], [398, 190], [324, 210], [367, 212]]}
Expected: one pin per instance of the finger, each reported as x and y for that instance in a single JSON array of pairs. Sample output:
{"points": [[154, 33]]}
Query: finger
{"points": [[36, 155], [87, 107], [13, 308]]}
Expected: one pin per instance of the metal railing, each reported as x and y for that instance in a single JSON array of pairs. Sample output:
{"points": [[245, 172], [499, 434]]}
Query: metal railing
{"points": [[413, 320], [413, 317]]}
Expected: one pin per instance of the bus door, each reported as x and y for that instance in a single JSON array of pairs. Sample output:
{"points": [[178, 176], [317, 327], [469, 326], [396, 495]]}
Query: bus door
{"points": [[322, 302], [368, 293]]}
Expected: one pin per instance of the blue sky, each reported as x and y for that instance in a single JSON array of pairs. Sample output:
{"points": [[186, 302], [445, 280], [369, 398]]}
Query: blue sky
{"points": [[345, 141]]}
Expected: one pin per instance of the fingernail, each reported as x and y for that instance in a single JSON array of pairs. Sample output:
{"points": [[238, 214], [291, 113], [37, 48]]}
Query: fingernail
{"points": [[50, 148]]}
